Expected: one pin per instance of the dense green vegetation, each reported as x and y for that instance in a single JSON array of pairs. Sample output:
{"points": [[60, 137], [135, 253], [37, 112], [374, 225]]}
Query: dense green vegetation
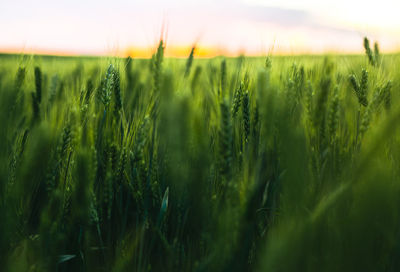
{"points": [[236, 164]]}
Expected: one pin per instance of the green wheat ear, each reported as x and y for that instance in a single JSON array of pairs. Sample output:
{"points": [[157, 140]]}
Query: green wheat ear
{"points": [[157, 60], [38, 84], [189, 62], [364, 87], [237, 99], [320, 107], [377, 53], [222, 85], [333, 115], [37, 95], [108, 86], [368, 52], [246, 115], [19, 80], [387, 95], [360, 89], [35, 107], [268, 62], [117, 94]]}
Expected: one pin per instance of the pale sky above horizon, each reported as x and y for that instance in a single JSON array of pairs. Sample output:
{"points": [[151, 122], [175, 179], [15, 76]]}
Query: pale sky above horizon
{"points": [[245, 26]]}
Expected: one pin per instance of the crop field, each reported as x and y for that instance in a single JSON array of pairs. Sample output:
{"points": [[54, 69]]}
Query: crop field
{"points": [[275, 163]]}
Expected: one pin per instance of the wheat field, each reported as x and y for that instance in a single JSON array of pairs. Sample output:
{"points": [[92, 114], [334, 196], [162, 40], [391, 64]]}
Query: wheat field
{"points": [[224, 164]]}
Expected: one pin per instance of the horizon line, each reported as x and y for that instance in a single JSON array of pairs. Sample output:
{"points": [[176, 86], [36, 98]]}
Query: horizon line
{"points": [[178, 51]]}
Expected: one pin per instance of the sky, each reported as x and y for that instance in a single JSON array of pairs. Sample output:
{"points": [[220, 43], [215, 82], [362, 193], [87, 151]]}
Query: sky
{"points": [[229, 27]]}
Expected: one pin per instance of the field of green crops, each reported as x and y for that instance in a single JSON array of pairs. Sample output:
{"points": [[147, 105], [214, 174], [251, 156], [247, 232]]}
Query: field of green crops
{"points": [[226, 164]]}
